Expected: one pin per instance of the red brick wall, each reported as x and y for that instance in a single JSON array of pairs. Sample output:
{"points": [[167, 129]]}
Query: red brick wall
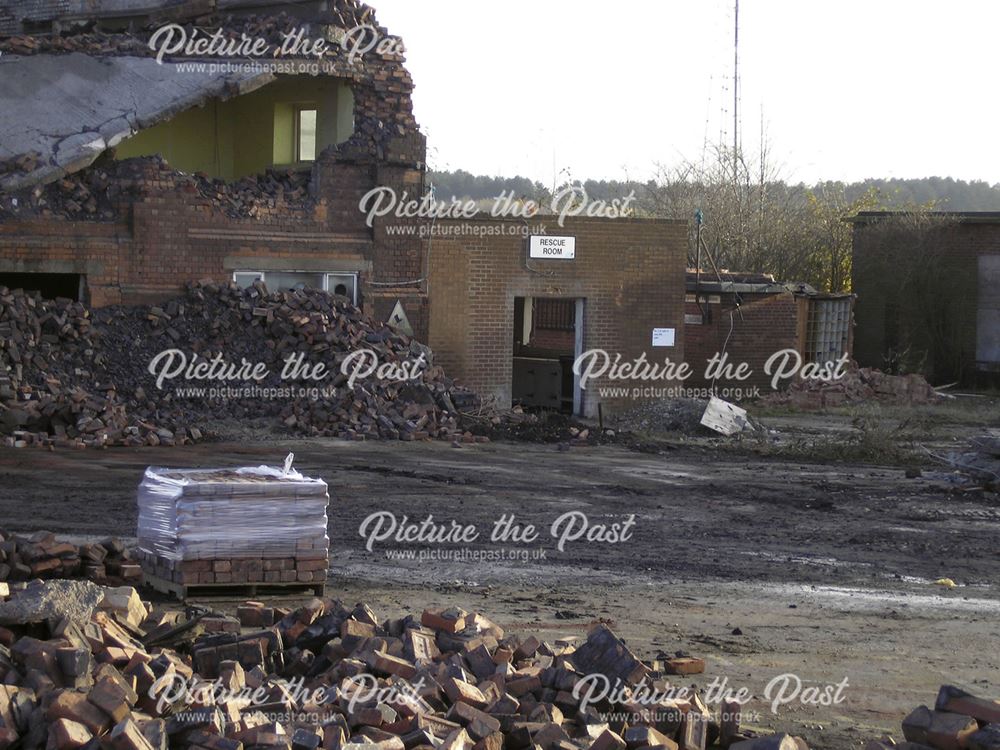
{"points": [[951, 296], [168, 235], [762, 325], [630, 272]]}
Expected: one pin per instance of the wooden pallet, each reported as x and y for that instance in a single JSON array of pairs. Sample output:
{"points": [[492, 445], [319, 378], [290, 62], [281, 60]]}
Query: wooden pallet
{"points": [[242, 591]]}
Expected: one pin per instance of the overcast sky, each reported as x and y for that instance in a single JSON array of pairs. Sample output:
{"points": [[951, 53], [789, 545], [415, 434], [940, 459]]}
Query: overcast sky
{"points": [[606, 89]]}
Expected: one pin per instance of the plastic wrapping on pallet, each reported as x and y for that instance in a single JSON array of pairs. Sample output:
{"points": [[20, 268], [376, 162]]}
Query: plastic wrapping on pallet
{"points": [[222, 514]]}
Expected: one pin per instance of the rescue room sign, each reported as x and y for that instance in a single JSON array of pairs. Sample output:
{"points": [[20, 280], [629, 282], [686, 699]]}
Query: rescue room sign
{"points": [[553, 248]]}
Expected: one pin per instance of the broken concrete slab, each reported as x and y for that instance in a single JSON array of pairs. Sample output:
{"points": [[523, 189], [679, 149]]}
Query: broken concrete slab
{"points": [[40, 602], [724, 417]]}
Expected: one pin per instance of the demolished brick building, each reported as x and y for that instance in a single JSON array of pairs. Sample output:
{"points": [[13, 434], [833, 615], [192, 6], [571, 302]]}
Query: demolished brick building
{"points": [[751, 318], [124, 176]]}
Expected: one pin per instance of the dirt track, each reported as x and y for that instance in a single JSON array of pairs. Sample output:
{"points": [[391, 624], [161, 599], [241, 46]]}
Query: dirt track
{"points": [[826, 570]]}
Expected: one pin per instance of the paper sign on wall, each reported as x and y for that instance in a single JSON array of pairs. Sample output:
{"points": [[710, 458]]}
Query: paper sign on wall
{"points": [[663, 337]]}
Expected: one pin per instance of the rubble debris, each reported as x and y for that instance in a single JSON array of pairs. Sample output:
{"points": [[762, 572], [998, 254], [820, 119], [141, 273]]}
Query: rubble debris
{"points": [[858, 385], [335, 677], [73, 377], [673, 415], [272, 28], [958, 720], [41, 601], [233, 526], [42, 555], [979, 464], [105, 191]]}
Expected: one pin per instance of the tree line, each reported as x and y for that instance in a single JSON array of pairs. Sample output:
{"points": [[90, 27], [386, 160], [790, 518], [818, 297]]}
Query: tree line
{"points": [[752, 218]]}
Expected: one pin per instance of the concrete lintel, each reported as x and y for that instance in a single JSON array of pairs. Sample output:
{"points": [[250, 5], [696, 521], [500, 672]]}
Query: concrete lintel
{"points": [[292, 263]]}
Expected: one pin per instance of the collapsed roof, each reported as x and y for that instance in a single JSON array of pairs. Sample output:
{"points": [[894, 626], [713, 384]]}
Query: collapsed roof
{"points": [[79, 76], [59, 113]]}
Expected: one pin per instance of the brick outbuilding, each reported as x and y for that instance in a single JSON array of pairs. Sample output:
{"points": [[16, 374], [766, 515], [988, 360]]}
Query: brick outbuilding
{"points": [[928, 299]]}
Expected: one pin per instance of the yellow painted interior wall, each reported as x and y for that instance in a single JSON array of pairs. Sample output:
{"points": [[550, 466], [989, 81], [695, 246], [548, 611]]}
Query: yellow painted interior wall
{"points": [[245, 135]]}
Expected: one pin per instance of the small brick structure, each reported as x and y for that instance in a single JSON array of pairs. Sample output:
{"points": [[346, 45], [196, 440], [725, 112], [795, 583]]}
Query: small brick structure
{"points": [[748, 318], [928, 299], [628, 272]]}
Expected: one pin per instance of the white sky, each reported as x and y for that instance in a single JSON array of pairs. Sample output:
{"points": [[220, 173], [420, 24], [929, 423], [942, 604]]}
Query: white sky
{"points": [[607, 88]]}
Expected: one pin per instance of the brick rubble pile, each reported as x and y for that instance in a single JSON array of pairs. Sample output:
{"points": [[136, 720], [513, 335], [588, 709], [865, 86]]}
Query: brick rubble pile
{"points": [[104, 191], [859, 385], [958, 721], [73, 377], [42, 555], [337, 678], [343, 14]]}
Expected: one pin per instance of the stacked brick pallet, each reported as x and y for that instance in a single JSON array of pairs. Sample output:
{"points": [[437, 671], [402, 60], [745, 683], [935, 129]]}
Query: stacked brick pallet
{"points": [[235, 571], [204, 527]]}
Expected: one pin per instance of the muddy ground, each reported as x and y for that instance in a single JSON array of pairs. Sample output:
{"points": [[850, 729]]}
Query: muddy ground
{"points": [[761, 564]]}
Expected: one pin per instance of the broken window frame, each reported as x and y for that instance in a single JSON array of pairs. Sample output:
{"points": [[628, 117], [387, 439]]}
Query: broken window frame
{"points": [[330, 279]]}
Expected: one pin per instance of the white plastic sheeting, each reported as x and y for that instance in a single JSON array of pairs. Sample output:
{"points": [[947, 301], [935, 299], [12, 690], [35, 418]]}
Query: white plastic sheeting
{"points": [[262, 512]]}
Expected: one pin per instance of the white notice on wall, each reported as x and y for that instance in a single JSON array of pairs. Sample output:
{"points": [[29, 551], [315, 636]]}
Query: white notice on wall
{"points": [[663, 337]]}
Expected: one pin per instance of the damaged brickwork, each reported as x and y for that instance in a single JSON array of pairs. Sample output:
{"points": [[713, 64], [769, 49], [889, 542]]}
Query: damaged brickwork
{"points": [[138, 230]]}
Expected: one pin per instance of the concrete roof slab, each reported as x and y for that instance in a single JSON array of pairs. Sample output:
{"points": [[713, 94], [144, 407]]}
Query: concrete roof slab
{"points": [[70, 108]]}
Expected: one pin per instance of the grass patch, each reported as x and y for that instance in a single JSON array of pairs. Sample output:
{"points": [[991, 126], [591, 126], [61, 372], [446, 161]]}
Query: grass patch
{"points": [[873, 438]]}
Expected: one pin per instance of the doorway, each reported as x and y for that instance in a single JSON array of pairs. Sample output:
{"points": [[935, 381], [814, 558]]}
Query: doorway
{"points": [[49, 285], [548, 337]]}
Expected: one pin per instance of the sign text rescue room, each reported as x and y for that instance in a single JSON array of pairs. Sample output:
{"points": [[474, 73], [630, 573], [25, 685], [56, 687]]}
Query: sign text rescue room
{"points": [[553, 248]]}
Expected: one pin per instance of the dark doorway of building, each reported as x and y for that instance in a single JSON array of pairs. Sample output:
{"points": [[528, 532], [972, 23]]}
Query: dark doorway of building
{"points": [[548, 337], [50, 285]]}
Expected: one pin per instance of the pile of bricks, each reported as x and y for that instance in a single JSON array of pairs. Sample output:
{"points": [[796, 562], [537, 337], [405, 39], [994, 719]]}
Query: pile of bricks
{"points": [[42, 555], [335, 677], [54, 389], [89, 194], [70, 377], [104, 191], [958, 720], [256, 195], [235, 571], [859, 385], [345, 14]]}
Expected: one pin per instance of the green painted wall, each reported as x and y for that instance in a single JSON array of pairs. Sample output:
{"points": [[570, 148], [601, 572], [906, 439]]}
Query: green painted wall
{"points": [[245, 135]]}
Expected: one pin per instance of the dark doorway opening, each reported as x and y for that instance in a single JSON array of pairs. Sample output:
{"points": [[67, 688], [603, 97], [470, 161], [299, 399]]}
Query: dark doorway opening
{"points": [[49, 285], [547, 340]]}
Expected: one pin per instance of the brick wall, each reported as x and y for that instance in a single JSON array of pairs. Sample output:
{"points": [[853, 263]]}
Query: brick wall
{"points": [[762, 325], [167, 234], [629, 272], [932, 329]]}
